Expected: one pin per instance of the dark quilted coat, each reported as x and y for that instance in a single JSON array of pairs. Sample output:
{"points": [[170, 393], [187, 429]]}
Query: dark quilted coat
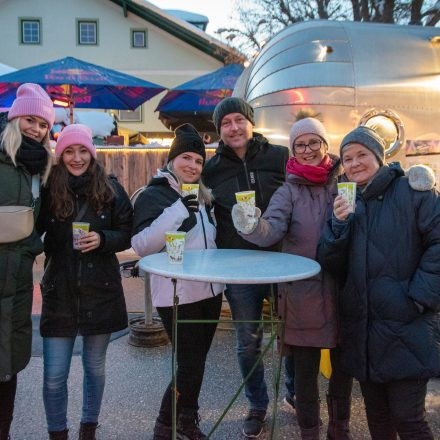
{"points": [[388, 253], [82, 292]]}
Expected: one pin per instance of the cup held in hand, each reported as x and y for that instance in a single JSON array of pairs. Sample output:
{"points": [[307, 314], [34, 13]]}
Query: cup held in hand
{"points": [[190, 188], [175, 244], [79, 229], [246, 199], [347, 190]]}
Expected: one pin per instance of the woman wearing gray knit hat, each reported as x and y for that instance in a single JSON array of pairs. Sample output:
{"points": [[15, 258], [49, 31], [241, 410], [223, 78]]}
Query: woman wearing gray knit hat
{"points": [[296, 215], [385, 255]]}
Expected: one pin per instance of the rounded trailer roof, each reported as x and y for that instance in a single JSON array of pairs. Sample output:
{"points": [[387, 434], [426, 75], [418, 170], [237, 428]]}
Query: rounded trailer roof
{"points": [[338, 57]]}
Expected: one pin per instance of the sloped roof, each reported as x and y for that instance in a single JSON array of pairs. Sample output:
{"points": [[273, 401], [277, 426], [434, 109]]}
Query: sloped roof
{"points": [[177, 27]]}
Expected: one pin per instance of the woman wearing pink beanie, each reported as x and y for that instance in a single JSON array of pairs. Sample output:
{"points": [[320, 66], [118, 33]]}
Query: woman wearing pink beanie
{"points": [[25, 161], [81, 287]]}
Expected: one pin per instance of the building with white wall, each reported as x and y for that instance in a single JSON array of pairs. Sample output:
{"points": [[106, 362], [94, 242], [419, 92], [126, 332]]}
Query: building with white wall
{"points": [[132, 36]]}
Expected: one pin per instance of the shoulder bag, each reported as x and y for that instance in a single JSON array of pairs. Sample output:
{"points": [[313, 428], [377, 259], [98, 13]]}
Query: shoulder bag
{"points": [[17, 222]]}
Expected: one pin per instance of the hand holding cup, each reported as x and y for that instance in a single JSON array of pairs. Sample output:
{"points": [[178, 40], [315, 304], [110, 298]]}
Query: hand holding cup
{"points": [[191, 203], [90, 241], [341, 208]]}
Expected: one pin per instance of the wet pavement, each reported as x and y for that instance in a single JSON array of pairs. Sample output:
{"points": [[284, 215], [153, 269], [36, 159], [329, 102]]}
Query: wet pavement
{"points": [[137, 377]]}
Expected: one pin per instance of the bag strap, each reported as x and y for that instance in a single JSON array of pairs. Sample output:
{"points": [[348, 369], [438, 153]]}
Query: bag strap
{"points": [[81, 212], [36, 186]]}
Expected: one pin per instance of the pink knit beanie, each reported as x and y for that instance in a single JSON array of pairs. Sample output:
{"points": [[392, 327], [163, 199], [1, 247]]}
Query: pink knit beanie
{"points": [[73, 134], [32, 100], [308, 126]]}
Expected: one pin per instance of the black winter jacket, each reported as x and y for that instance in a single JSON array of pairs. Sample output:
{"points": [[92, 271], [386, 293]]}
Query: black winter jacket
{"points": [[389, 306], [82, 292], [262, 170]]}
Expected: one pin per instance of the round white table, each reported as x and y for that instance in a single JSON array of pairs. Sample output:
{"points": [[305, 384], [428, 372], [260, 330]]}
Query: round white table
{"points": [[229, 266], [233, 266]]}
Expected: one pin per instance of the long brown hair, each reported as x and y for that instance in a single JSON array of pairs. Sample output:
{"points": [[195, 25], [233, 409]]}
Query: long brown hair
{"points": [[99, 192]]}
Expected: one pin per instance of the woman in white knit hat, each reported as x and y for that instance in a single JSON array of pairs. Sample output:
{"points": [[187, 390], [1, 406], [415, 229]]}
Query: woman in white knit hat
{"points": [[296, 214]]}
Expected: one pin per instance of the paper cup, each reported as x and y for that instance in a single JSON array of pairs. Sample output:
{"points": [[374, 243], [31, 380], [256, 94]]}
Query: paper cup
{"points": [[190, 188], [247, 200], [78, 230], [348, 191], [175, 244]]}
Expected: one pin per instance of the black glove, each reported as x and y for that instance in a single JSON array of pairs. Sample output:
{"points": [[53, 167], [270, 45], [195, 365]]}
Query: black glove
{"points": [[191, 203]]}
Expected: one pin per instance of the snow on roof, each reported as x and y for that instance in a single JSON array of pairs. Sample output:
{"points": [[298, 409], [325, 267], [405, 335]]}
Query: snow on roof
{"points": [[190, 17], [180, 22], [4, 69]]}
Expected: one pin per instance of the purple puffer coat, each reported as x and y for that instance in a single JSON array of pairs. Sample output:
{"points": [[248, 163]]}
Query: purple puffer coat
{"points": [[296, 214]]}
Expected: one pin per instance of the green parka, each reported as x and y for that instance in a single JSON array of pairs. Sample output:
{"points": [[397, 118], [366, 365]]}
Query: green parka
{"points": [[16, 284]]}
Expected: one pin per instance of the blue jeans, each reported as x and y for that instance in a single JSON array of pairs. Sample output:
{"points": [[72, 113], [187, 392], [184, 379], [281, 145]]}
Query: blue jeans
{"points": [[289, 366], [246, 303], [57, 354]]}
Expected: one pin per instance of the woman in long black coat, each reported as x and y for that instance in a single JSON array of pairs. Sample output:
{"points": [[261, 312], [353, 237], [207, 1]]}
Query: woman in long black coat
{"points": [[81, 288], [386, 255]]}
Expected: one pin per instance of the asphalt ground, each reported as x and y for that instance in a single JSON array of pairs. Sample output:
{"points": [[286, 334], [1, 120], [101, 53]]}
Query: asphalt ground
{"points": [[137, 377]]}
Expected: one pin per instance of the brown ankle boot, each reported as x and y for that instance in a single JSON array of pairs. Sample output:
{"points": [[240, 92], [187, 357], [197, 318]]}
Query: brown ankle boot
{"points": [[338, 418], [59, 435], [87, 431]]}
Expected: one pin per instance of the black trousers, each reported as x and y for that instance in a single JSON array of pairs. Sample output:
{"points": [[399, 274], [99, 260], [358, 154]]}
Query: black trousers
{"points": [[306, 361], [396, 407], [193, 344], [7, 398]]}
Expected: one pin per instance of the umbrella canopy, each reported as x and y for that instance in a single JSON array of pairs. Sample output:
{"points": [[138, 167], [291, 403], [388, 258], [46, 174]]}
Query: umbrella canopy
{"points": [[80, 84], [195, 100]]}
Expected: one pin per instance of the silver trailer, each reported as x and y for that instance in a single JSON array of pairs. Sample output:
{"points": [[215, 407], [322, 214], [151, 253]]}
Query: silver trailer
{"points": [[380, 75]]}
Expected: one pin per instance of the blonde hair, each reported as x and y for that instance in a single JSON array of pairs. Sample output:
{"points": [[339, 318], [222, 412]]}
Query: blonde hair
{"points": [[205, 195], [11, 139]]}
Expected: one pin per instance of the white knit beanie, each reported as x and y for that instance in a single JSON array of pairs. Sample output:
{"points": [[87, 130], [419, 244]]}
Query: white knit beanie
{"points": [[308, 126]]}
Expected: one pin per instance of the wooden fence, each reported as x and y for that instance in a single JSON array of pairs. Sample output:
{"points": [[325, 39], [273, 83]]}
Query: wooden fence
{"points": [[134, 167]]}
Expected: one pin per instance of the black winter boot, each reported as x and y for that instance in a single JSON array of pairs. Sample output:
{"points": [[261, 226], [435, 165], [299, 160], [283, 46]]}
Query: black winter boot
{"points": [[59, 435], [339, 411], [4, 430], [87, 431], [382, 431], [188, 425], [310, 433], [162, 431]]}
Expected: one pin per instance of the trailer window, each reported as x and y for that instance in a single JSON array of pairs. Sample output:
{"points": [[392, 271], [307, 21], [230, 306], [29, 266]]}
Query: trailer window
{"points": [[389, 126]]}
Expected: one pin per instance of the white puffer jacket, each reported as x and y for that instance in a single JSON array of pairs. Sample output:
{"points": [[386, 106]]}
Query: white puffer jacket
{"points": [[151, 240]]}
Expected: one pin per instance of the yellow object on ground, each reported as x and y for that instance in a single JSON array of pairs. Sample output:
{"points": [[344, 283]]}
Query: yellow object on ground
{"points": [[325, 366]]}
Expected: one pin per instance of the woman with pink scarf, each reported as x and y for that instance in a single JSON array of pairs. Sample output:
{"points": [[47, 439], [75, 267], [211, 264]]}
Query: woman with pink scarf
{"points": [[296, 215]]}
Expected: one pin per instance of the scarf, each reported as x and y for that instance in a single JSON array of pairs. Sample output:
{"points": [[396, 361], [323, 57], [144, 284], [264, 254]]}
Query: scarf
{"points": [[313, 173], [79, 184], [32, 155]]}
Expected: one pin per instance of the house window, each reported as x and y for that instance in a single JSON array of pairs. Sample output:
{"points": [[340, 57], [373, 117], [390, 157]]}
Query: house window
{"points": [[131, 115], [30, 31], [87, 32], [139, 38]]}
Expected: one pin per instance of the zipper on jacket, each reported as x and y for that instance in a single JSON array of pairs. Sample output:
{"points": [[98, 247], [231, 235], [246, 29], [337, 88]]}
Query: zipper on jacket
{"points": [[206, 243], [78, 283], [246, 173]]}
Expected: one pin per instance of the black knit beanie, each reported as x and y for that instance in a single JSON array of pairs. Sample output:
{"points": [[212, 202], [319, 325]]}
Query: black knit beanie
{"points": [[232, 105], [367, 137], [186, 139]]}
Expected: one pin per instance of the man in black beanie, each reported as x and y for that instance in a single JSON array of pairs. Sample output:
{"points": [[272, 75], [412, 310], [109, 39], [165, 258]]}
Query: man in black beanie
{"points": [[244, 161]]}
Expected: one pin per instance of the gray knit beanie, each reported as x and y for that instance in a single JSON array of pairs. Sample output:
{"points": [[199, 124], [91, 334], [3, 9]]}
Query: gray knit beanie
{"points": [[232, 105], [367, 137], [308, 126]]}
